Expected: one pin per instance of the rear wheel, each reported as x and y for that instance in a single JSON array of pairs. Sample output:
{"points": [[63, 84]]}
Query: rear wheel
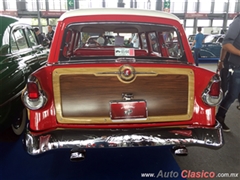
{"points": [[238, 107], [19, 123]]}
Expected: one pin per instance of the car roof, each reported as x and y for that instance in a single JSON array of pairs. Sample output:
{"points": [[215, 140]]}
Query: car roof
{"points": [[118, 11], [196, 34], [5, 22], [216, 35]]}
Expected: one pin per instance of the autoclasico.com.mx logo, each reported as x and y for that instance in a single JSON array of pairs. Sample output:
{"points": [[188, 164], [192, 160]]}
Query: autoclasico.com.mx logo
{"points": [[189, 174]]}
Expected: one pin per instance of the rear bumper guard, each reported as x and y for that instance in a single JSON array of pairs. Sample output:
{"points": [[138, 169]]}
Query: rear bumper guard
{"points": [[108, 138]]}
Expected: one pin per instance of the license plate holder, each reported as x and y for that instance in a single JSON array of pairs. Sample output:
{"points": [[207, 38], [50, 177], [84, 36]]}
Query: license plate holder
{"points": [[128, 110]]}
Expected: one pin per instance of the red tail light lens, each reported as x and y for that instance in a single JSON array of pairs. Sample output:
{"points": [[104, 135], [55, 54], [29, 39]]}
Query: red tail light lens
{"points": [[34, 97], [215, 89], [213, 94], [33, 91]]}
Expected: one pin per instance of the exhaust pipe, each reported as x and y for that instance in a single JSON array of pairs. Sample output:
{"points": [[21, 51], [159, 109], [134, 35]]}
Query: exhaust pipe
{"points": [[180, 150], [77, 154]]}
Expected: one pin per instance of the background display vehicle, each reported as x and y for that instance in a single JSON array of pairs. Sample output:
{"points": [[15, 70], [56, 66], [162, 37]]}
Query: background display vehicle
{"points": [[20, 55], [118, 96], [211, 48], [210, 52]]}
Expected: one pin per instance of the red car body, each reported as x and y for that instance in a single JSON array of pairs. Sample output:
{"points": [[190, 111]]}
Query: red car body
{"points": [[75, 101]]}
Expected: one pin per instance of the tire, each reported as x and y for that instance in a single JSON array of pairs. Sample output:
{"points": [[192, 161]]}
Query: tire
{"points": [[20, 123], [238, 107]]}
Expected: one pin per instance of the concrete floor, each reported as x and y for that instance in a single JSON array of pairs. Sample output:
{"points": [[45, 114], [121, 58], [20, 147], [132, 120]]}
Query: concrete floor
{"points": [[224, 160]]}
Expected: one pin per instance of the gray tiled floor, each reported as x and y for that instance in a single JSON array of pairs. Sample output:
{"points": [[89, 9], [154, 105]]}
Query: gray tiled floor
{"points": [[224, 160]]}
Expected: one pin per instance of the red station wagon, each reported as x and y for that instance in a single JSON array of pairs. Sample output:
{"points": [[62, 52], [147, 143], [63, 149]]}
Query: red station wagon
{"points": [[148, 94]]}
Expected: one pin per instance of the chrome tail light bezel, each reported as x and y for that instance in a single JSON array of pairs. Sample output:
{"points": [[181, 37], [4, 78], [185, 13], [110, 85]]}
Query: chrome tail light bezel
{"points": [[34, 104], [212, 100]]}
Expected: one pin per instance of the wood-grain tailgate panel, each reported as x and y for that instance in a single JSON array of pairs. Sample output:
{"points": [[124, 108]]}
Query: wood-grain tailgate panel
{"points": [[88, 95], [83, 95]]}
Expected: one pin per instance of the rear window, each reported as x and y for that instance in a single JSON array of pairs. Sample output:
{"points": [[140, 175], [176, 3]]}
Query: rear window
{"points": [[114, 39]]}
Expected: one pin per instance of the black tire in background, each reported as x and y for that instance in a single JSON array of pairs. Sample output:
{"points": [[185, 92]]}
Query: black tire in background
{"points": [[19, 124]]}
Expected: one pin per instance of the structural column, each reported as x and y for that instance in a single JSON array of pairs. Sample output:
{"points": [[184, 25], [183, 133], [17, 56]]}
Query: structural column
{"points": [[185, 12], [135, 3], [196, 19], [103, 3], [159, 5], [4, 5], [76, 4], [237, 6], [225, 19], [38, 14], [121, 3]]}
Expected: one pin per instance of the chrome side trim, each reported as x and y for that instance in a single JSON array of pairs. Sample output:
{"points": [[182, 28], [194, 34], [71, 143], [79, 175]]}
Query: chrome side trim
{"points": [[109, 138], [12, 98], [117, 72], [6, 68]]}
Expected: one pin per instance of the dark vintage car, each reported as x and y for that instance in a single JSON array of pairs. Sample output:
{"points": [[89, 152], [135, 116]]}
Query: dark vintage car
{"points": [[20, 55], [210, 51], [118, 96]]}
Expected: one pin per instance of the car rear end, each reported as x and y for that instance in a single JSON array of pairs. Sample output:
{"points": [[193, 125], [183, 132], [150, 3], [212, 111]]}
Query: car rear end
{"points": [[92, 97]]}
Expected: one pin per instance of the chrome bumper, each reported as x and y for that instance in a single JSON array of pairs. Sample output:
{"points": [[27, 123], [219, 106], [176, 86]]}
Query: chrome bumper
{"points": [[107, 138]]}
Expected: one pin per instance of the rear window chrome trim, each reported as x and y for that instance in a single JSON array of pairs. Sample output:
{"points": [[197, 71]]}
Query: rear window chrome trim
{"points": [[71, 26]]}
